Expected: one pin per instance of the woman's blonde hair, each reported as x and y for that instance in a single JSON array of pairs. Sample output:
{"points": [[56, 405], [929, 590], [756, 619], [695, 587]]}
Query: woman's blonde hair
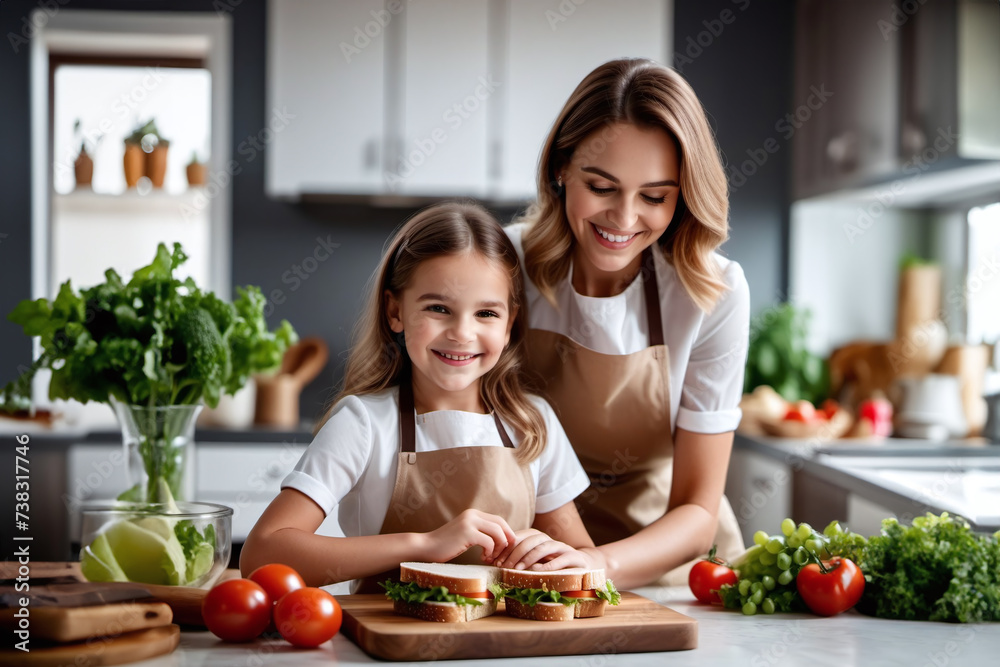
{"points": [[377, 360], [649, 95]]}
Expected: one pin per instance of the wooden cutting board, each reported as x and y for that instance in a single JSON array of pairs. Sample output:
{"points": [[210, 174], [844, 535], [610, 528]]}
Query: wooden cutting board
{"points": [[637, 625], [68, 624], [125, 648]]}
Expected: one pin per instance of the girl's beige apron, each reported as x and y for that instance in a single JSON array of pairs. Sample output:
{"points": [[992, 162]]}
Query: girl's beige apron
{"points": [[432, 488], [616, 411]]}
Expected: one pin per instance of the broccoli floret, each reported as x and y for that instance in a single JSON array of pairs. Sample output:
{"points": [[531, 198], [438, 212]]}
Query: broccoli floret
{"points": [[200, 351]]}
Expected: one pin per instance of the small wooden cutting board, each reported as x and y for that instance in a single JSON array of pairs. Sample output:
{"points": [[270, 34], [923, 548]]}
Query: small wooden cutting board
{"points": [[184, 602], [69, 624], [129, 647], [637, 625]]}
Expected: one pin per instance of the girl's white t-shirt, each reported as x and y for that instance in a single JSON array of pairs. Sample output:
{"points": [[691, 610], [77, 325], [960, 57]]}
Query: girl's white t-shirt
{"points": [[707, 352], [352, 460]]}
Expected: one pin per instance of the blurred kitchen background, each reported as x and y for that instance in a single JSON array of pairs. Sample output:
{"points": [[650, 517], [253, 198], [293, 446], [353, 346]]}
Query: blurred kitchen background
{"points": [[290, 137]]}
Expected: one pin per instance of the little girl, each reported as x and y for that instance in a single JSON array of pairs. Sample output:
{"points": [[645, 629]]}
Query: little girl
{"points": [[433, 451]]}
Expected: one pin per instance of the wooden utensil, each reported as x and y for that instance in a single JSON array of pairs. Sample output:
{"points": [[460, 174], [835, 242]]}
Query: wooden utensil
{"points": [[278, 395], [68, 624], [125, 648], [636, 625]]}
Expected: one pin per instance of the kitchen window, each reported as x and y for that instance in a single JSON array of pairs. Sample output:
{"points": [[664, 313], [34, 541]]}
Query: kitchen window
{"points": [[982, 285], [97, 103]]}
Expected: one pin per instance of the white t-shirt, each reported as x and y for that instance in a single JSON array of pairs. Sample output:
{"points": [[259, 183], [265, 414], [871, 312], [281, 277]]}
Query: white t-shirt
{"points": [[707, 352], [352, 460]]}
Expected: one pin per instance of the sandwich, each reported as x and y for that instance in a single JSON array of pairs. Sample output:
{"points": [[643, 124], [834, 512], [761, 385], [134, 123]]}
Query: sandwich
{"points": [[443, 592], [560, 595]]}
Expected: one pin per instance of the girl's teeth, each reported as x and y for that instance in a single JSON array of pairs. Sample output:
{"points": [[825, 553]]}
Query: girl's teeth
{"points": [[456, 358], [615, 238]]}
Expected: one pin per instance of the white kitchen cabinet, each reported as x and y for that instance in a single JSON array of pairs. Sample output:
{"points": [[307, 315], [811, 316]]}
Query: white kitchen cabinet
{"points": [[435, 97], [759, 488], [447, 85], [549, 47], [325, 114]]}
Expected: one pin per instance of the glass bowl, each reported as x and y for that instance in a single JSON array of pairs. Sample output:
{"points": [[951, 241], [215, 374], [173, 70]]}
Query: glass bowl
{"points": [[182, 544]]}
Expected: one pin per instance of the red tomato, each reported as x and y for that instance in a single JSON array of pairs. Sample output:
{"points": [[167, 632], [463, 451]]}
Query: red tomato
{"points": [[236, 610], [277, 580], [307, 617], [579, 594], [801, 411], [829, 408], [831, 592], [707, 577]]}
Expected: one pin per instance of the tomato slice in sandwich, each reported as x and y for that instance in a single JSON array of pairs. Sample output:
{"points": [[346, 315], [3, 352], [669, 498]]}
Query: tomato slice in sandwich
{"points": [[486, 595], [579, 594]]}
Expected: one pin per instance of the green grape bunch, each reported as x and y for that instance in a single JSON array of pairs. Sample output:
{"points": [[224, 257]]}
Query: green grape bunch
{"points": [[767, 570]]}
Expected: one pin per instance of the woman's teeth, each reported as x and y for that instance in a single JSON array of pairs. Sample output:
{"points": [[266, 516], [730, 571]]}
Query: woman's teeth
{"points": [[615, 238], [455, 357]]}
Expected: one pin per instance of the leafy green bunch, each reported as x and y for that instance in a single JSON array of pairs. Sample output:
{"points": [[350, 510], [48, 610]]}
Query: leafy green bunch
{"points": [[937, 569], [154, 341]]}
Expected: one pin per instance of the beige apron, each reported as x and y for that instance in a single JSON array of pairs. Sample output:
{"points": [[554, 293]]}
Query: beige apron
{"points": [[616, 411], [432, 488]]}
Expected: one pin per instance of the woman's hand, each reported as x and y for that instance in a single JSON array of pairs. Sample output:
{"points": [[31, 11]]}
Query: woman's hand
{"points": [[469, 529], [536, 550], [590, 558]]}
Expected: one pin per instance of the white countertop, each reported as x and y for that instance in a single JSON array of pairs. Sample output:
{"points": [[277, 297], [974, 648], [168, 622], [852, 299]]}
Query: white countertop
{"points": [[725, 638]]}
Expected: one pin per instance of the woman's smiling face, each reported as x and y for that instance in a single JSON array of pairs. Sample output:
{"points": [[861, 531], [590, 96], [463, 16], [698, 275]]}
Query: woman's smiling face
{"points": [[622, 186]]}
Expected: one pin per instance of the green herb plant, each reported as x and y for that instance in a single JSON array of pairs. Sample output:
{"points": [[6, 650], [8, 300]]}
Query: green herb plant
{"points": [[155, 341], [778, 356]]}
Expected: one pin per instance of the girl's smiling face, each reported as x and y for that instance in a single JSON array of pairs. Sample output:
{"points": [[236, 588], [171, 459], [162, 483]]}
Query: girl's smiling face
{"points": [[456, 319], [622, 187]]}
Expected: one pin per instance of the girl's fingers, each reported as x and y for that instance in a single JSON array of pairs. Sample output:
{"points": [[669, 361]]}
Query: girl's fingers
{"points": [[498, 539]]}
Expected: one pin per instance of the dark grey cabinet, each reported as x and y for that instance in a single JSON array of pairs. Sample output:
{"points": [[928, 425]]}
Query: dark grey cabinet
{"points": [[849, 137], [907, 88]]}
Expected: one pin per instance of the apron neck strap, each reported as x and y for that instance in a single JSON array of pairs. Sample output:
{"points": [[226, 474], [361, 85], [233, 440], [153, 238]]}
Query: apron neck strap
{"points": [[407, 421], [651, 290]]}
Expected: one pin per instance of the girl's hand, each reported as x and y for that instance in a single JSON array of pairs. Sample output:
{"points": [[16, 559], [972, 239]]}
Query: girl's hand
{"points": [[469, 529]]}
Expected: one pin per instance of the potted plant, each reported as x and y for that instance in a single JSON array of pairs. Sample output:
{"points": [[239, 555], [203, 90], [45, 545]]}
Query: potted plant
{"points": [[196, 171], [135, 158], [155, 348], [83, 166]]}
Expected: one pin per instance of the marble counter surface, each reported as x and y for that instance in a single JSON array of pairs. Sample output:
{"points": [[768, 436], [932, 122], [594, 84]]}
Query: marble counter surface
{"points": [[725, 638]]}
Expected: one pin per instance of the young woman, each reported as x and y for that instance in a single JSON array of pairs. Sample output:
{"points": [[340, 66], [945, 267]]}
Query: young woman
{"points": [[433, 451], [639, 328]]}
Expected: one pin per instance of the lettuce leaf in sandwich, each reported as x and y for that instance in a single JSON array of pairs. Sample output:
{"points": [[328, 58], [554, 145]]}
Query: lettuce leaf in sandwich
{"points": [[532, 596], [410, 592]]}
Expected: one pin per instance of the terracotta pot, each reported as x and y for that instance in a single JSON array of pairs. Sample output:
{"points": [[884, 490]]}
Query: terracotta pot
{"points": [[156, 165], [196, 172], [83, 168], [135, 164]]}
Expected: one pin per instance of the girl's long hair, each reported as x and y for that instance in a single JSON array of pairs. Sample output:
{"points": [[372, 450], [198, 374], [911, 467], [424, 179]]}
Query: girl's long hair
{"points": [[377, 360], [647, 94]]}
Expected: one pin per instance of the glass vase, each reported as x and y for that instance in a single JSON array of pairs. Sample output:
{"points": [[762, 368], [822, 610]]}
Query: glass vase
{"points": [[159, 449]]}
